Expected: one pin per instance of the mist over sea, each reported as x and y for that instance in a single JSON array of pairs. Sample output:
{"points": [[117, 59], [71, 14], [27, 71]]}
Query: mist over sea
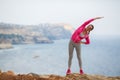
{"points": [[102, 57]]}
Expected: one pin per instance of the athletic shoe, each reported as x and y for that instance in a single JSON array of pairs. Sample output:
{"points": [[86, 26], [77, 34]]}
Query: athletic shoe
{"points": [[81, 71], [68, 72]]}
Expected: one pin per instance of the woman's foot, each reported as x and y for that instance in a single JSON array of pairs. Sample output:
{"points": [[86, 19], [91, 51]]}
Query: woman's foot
{"points": [[81, 71], [68, 72]]}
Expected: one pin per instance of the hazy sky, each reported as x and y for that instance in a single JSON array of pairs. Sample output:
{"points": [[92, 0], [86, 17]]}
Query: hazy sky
{"points": [[73, 12]]}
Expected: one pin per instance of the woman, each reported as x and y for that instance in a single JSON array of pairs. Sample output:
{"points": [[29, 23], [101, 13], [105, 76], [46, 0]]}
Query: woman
{"points": [[76, 40]]}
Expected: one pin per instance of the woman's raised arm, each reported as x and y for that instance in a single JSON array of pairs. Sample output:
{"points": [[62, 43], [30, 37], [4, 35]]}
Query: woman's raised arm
{"points": [[98, 18]]}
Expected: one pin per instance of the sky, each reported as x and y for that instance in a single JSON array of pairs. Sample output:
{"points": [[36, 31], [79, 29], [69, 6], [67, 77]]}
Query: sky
{"points": [[73, 12]]}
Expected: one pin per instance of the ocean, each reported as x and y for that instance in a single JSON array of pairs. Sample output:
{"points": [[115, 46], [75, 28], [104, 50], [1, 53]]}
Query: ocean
{"points": [[101, 57]]}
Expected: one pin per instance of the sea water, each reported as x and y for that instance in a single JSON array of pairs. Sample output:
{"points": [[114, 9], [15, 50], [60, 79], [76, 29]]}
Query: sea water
{"points": [[102, 57]]}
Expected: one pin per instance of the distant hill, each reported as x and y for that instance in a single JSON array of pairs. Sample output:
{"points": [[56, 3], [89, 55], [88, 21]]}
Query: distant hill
{"points": [[42, 33]]}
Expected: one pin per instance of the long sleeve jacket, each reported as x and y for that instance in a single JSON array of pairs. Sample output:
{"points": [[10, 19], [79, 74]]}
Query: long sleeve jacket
{"points": [[76, 38]]}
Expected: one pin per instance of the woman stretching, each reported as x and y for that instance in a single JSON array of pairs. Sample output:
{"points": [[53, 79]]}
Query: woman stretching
{"points": [[76, 40]]}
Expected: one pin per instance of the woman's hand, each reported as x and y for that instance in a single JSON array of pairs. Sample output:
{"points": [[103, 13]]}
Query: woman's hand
{"points": [[98, 18], [82, 42]]}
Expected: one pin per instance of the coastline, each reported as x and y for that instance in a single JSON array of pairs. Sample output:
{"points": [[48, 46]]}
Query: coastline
{"points": [[5, 45], [10, 75]]}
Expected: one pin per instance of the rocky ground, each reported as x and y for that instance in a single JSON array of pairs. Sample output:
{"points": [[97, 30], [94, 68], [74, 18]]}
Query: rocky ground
{"points": [[10, 75]]}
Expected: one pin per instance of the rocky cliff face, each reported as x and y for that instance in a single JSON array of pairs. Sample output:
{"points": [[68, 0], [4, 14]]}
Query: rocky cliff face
{"points": [[42, 33], [5, 45]]}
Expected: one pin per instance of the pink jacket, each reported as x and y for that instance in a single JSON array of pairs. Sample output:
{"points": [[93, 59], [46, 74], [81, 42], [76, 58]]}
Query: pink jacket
{"points": [[76, 38]]}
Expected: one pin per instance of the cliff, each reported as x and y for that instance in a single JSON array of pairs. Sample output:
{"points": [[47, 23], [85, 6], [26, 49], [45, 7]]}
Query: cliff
{"points": [[9, 75], [5, 45], [42, 33]]}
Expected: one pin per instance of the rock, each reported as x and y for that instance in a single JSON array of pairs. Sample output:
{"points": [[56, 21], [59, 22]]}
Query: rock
{"points": [[0, 72], [25, 77], [5, 45], [9, 75], [76, 76], [33, 74], [56, 77]]}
